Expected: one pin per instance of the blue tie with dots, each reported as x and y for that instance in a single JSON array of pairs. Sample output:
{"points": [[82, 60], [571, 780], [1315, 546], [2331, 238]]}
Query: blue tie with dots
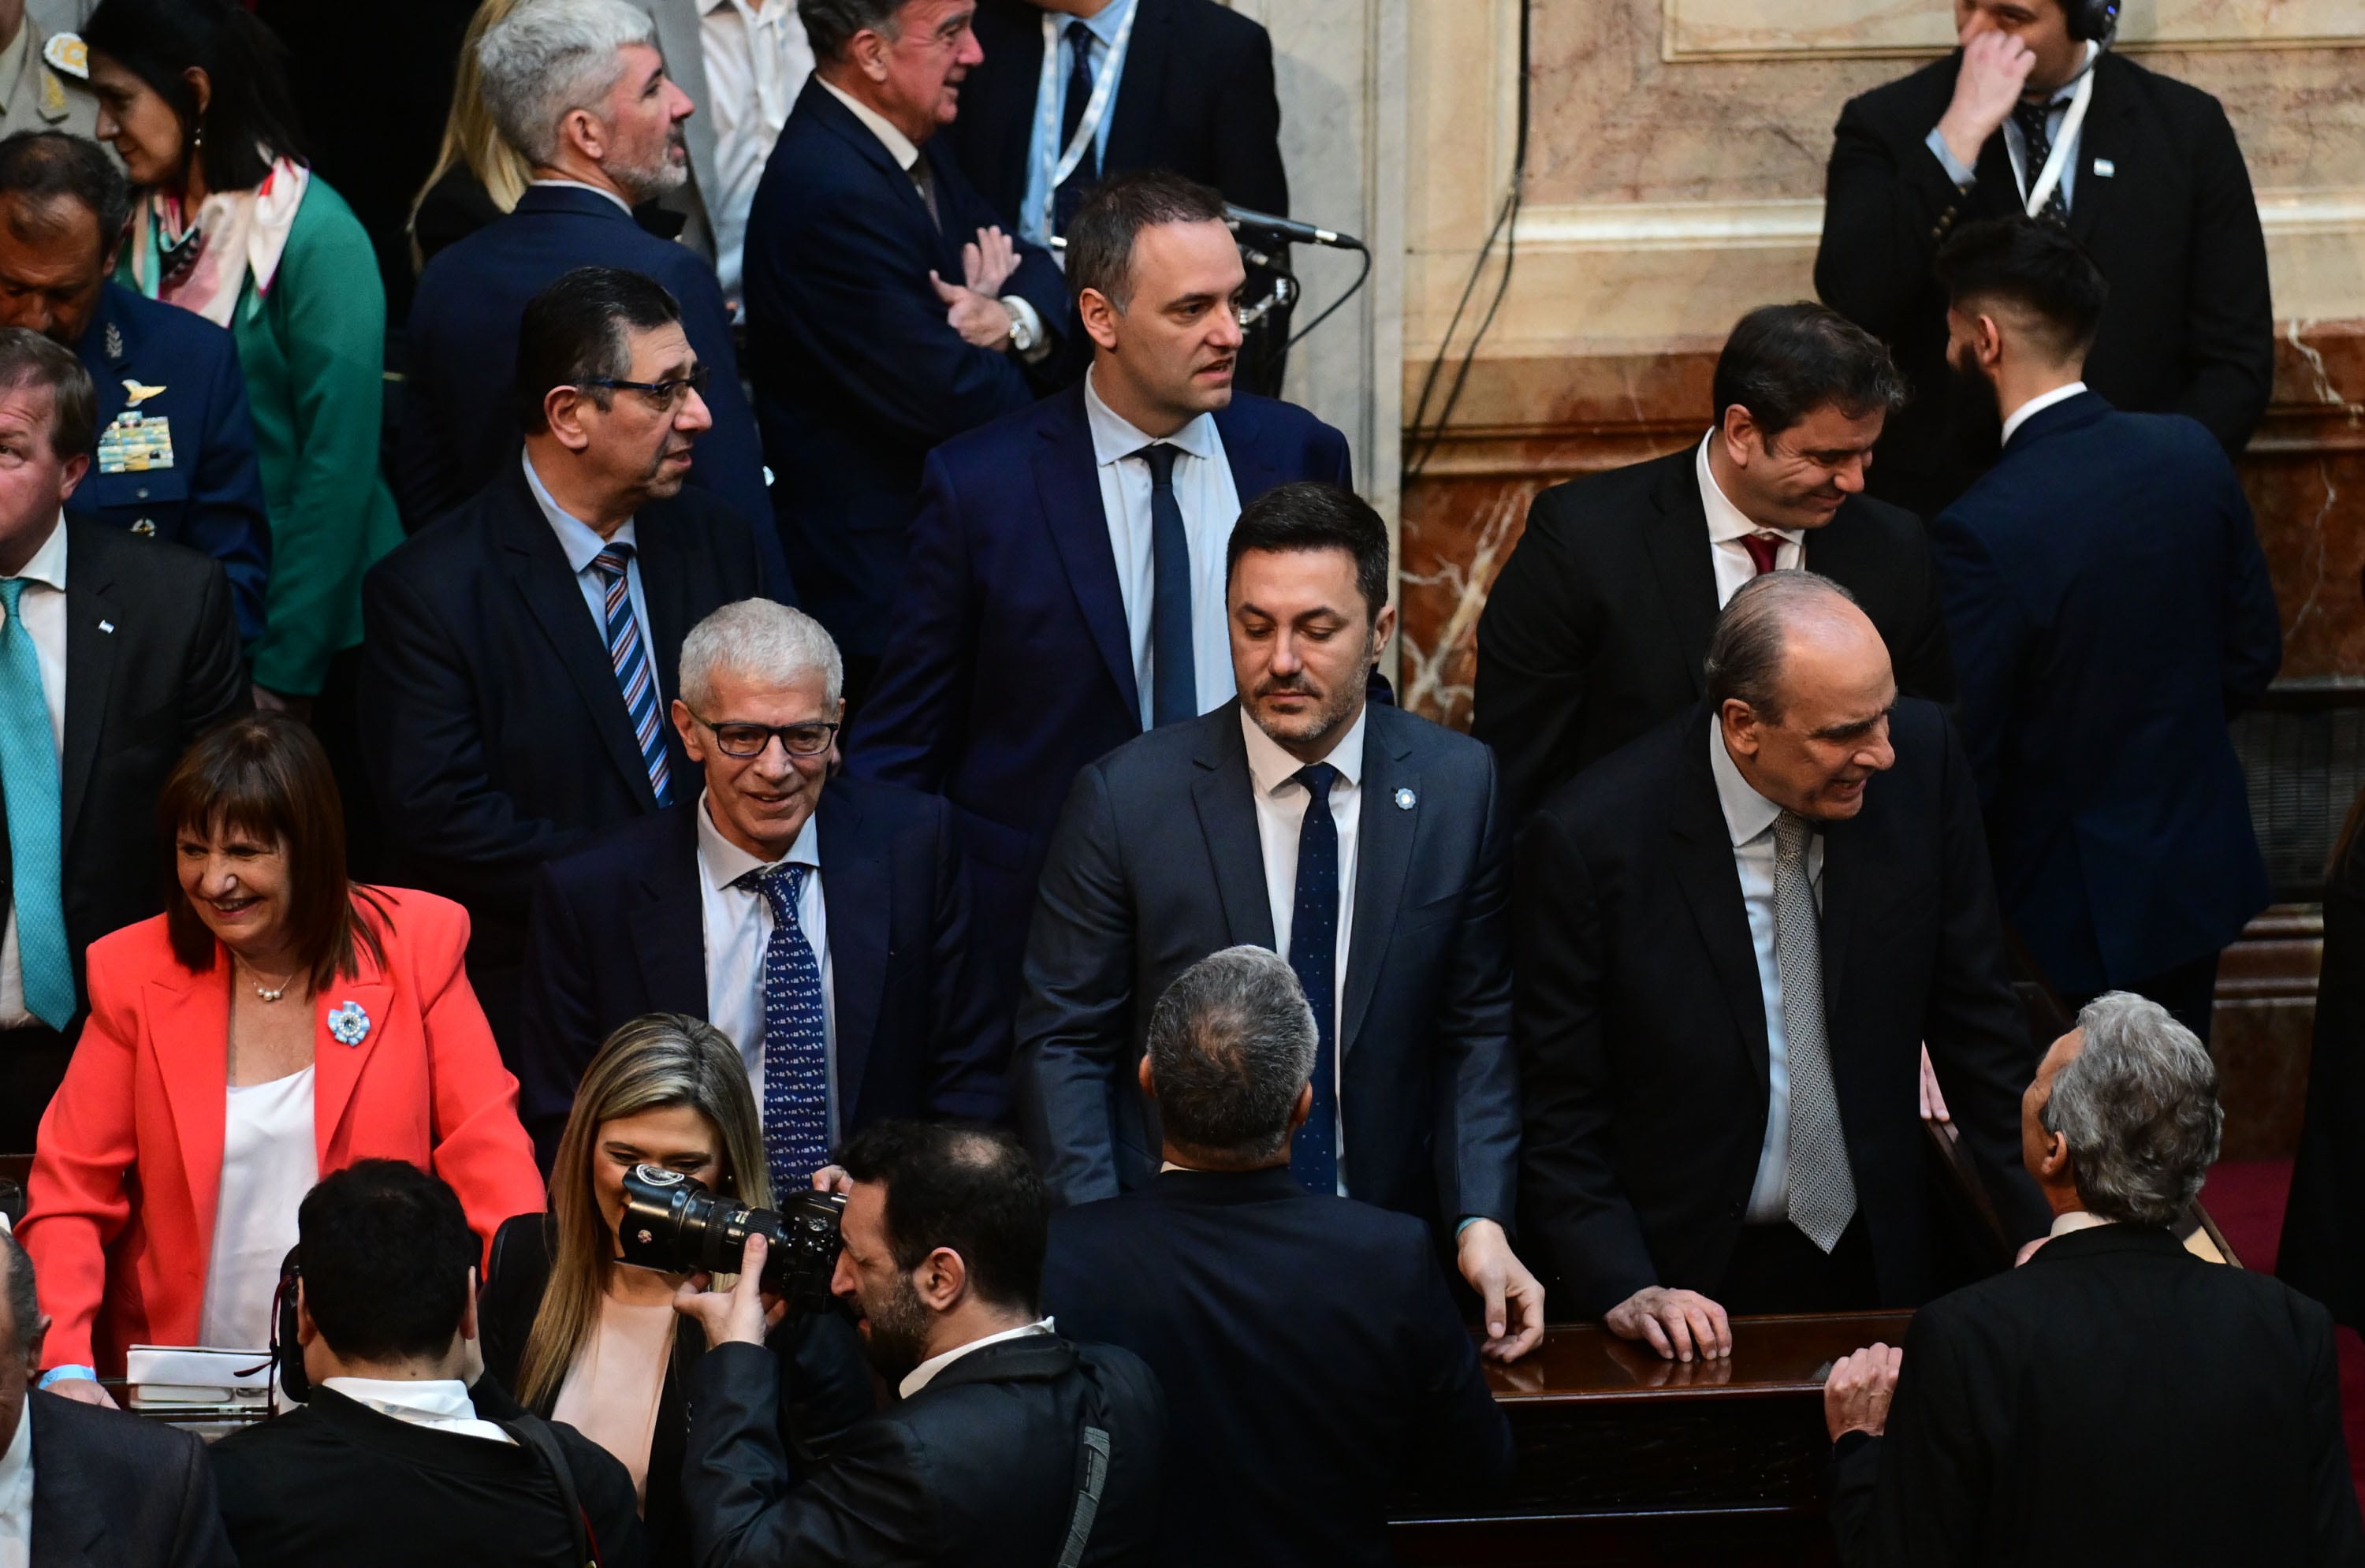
{"points": [[1314, 954], [796, 1038]]}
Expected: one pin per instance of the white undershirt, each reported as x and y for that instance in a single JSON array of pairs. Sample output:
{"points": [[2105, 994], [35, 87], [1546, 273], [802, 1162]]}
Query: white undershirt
{"points": [[16, 1493], [269, 1162], [44, 606], [756, 60], [1280, 802], [1749, 817], [439, 1405], [1728, 525], [738, 928], [612, 1391], [919, 1377], [2036, 405], [1210, 504]]}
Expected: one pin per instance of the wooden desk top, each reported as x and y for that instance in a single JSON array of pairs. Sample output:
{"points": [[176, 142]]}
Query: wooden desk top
{"points": [[1582, 1363]]}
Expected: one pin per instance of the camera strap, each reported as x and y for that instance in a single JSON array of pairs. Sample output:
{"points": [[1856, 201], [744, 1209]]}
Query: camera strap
{"points": [[535, 1436]]}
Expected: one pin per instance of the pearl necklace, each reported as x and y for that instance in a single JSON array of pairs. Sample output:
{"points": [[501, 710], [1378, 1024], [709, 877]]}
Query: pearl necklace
{"points": [[275, 993]]}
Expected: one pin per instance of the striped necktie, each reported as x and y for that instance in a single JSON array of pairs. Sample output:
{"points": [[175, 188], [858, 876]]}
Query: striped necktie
{"points": [[634, 678]]}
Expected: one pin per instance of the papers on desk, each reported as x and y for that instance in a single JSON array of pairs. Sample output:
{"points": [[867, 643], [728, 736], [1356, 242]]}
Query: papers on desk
{"points": [[168, 1379]]}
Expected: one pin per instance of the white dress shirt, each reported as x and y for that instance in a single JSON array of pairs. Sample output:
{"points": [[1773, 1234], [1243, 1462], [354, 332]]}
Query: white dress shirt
{"points": [[1749, 817], [442, 1405], [1728, 525], [582, 544], [2036, 405], [906, 154], [1044, 145], [738, 926], [17, 1495], [2076, 1219], [625, 206], [44, 609], [1210, 504], [919, 1377], [756, 58], [1281, 803], [2017, 145]]}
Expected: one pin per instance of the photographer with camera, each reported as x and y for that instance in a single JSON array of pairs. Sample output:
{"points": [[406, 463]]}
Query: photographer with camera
{"points": [[1006, 1444], [395, 1459]]}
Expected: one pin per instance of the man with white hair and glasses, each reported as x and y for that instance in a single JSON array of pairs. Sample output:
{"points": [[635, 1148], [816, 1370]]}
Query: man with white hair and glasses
{"points": [[2116, 1398], [822, 924], [579, 88]]}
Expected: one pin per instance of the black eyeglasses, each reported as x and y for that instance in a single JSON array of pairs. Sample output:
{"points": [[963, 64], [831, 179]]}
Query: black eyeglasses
{"points": [[664, 394], [751, 740]]}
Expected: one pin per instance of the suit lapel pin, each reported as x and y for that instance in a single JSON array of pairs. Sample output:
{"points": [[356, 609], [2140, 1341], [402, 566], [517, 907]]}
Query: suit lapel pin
{"points": [[1405, 799], [2105, 168], [348, 1025], [107, 626]]}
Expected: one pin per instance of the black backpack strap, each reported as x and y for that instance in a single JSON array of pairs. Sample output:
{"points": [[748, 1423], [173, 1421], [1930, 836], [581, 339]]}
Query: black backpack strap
{"points": [[535, 1436], [1093, 1454]]}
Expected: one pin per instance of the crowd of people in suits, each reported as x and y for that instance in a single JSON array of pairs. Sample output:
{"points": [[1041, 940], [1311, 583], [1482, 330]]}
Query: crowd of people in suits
{"points": [[831, 682]]}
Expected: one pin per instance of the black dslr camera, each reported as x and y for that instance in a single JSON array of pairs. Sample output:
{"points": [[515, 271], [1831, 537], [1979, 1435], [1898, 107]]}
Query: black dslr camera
{"points": [[674, 1225]]}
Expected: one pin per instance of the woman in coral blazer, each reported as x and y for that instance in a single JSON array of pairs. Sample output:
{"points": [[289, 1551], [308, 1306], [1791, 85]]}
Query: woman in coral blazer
{"points": [[275, 1024]]}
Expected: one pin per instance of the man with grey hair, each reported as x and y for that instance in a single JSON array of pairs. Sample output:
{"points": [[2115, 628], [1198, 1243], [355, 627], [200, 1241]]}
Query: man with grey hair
{"points": [[1735, 934], [822, 922], [580, 89], [85, 1484], [1309, 1349], [2117, 1398], [886, 309]]}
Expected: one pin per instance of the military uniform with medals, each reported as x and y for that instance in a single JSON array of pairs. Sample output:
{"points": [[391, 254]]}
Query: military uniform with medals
{"points": [[36, 94]]}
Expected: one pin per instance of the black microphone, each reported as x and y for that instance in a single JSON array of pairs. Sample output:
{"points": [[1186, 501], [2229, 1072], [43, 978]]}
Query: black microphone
{"points": [[1287, 230]]}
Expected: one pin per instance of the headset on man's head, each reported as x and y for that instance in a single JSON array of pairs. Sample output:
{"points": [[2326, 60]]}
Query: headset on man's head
{"points": [[2093, 21]]}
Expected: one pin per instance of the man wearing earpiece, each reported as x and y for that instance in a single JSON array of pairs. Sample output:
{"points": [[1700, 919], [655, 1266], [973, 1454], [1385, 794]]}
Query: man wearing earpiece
{"points": [[2033, 114]]}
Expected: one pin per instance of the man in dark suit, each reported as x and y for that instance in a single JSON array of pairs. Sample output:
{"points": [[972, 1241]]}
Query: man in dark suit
{"points": [[2110, 607], [886, 311], [1008, 1445], [1008, 674], [177, 447], [83, 1485], [1595, 630], [1311, 1356], [116, 652], [2115, 1399], [396, 1455], [1735, 937], [874, 972], [1364, 843], [1182, 86], [520, 653], [2151, 182], [603, 131]]}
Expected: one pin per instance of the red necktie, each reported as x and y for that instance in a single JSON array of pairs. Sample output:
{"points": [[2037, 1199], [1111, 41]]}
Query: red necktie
{"points": [[1762, 548]]}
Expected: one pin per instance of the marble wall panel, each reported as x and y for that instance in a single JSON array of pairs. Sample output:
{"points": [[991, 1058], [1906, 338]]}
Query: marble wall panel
{"points": [[1763, 28]]}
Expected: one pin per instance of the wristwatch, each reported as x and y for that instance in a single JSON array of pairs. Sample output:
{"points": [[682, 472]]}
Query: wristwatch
{"points": [[1022, 332]]}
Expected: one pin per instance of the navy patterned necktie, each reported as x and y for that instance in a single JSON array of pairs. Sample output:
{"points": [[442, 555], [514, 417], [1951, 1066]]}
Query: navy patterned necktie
{"points": [[1087, 173], [634, 678], [2038, 143], [1173, 667], [1314, 954], [796, 1038]]}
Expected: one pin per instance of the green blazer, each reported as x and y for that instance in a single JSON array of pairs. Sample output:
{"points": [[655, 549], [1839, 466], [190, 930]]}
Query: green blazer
{"points": [[313, 349]]}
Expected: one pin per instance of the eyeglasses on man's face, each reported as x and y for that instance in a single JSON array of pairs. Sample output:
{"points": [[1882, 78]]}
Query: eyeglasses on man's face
{"points": [[751, 740], [666, 395]]}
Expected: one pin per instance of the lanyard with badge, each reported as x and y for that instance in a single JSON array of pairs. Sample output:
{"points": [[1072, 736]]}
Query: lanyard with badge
{"points": [[1047, 100], [2064, 144]]}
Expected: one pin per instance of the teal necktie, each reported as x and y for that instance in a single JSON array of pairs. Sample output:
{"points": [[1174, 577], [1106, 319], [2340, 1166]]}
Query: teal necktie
{"points": [[28, 773]]}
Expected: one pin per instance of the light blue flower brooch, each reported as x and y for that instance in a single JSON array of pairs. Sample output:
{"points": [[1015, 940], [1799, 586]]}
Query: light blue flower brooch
{"points": [[348, 1025]]}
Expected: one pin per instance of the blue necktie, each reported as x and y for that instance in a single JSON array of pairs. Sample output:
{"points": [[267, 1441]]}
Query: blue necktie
{"points": [[1174, 676], [1314, 954], [28, 773], [796, 1040], [631, 661], [1087, 173]]}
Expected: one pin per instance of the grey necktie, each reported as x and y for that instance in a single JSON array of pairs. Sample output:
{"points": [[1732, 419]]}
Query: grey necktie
{"points": [[1822, 1187], [924, 180]]}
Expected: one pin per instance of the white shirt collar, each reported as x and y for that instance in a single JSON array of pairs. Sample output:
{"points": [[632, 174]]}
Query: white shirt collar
{"points": [[773, 13], [1747, 813], [899, 146], [1726, 520], [47, 567], [1114, 437], [436, 1402], [578, 539], [2036, 405], [919, 1377], [2076, 1219], [725, 862], [622, 205], [1270, 767]]}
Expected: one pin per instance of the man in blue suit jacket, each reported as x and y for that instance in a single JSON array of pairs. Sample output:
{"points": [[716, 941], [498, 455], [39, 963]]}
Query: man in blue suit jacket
{"points": [[659, 916], [62, 200], [1310, 1354], [602, 135], [1027, 630], [1392, 906], [2110, 608], [885, 312]]}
